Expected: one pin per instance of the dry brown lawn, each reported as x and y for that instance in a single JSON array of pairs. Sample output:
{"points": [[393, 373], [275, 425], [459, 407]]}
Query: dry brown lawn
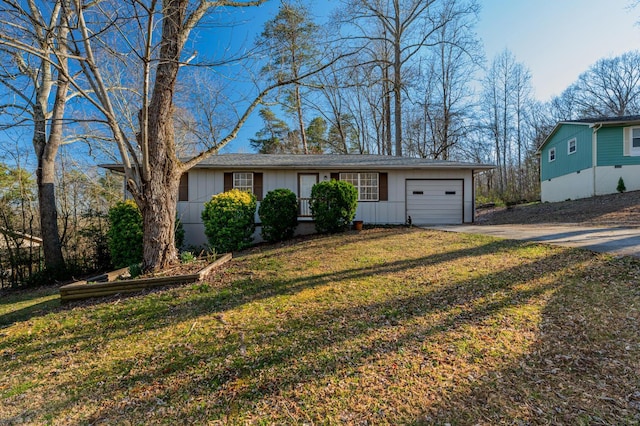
{"points": [[384, 326]]}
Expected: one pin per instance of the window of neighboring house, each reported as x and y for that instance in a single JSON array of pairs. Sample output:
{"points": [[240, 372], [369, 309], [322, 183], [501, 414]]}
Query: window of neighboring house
{"points": [[572, 146], [635, 141], [367, 184], [183, 188], [243, 181], [552, 154]]}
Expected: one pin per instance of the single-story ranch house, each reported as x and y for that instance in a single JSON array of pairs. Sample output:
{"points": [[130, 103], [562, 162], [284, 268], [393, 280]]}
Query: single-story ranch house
{"points": [[583, 158], [390, 189]]}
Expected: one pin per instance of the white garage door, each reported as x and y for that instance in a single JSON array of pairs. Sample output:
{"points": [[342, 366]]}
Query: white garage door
{"points": [[435, 201]]}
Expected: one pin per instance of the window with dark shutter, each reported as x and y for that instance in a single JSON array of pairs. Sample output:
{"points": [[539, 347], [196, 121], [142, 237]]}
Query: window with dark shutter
{"points": [[244, 181]]}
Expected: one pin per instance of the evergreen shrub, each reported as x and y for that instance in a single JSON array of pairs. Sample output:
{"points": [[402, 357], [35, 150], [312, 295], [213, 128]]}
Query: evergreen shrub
{"points": [[333, 205], [229, 220], [279, 215], [125, 234]]}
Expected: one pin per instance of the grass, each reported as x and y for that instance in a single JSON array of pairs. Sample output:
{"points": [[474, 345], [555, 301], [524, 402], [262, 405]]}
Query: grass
{"points": [[393, 326]]}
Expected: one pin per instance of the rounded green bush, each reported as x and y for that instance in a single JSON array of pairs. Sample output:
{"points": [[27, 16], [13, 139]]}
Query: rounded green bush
{"points": [[229, 220], [279, 215], [333, 205], [125, 234]]}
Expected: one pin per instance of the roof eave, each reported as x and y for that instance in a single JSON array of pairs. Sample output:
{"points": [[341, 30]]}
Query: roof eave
{"points": [[555, 129], [478, 167]]}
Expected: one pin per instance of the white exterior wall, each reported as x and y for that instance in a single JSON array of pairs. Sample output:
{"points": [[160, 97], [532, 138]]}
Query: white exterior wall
{"points": [[607, 178], [567, 187], [581, 185], [204, 183]]}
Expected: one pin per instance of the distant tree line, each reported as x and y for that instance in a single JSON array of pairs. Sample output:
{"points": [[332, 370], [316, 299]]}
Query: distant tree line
{"points": [[419, 85]]}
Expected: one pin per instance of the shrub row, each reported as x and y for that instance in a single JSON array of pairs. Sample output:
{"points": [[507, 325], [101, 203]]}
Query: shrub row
{"points": [[229, 219]]}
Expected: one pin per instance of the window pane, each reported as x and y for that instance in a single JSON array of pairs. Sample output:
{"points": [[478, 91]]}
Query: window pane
{"points": [[243, 181], [636, 142], [365, 183]]}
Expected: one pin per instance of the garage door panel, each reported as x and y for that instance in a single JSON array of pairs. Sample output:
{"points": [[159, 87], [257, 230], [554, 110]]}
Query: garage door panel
{"points": [[435, 201]]}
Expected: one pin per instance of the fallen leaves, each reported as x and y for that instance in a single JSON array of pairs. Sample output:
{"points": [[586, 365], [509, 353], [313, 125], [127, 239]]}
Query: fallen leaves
{"points": [[377, 327]]}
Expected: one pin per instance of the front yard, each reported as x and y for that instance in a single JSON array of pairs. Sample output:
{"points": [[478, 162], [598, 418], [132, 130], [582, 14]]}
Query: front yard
{"points": [[384, 326]]}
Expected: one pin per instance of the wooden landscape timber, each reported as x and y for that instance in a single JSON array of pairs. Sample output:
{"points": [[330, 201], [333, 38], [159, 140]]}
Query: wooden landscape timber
{"points": [[94, 288]]}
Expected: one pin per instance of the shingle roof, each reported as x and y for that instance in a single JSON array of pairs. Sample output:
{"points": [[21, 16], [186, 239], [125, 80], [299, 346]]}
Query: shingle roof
{"points": [[606, 120], [324, 162], [331, 161], [593, 122]]}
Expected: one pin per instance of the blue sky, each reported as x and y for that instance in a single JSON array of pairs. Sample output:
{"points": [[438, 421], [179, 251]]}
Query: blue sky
{"points": [[556, 39]]}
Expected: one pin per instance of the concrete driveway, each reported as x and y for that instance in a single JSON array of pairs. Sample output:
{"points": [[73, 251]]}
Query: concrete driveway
{"points": [[614, 240]]}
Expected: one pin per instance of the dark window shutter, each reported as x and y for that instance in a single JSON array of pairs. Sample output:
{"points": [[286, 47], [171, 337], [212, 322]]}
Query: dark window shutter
{"points": [[183, 188], [228, 182], [335, 176], [257, 186], [383, 187]]}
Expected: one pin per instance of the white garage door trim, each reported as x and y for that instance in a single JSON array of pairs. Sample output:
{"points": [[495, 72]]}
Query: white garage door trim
{"points": [[435, 201]]}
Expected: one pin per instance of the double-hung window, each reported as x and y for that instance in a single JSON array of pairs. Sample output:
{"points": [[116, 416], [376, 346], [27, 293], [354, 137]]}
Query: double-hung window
{"points": [[367, 184], [552, 155], [572, 146], [635, 141]]}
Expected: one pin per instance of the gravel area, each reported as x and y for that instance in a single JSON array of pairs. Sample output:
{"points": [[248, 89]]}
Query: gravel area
{"points": [[612, 210]]}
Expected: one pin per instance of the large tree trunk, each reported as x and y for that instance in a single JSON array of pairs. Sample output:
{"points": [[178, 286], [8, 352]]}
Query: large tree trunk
{"points": [[161, 171], [51, 244], [45, 179], [158, 218], [46, 149]]}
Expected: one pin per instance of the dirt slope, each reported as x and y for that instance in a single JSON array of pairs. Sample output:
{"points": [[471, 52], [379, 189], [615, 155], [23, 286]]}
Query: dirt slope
{"points": [[615, 209]]}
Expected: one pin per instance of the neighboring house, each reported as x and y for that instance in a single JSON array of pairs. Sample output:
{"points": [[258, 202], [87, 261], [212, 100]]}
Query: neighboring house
{"points": [[14, 239], [390, 189], [587, 157]]}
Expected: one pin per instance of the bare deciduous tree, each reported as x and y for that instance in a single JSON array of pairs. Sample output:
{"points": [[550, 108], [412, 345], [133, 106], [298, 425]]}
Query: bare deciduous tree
{"points": [[506, 90], [610, 87], [440, 118], [403, 27], [35, 67]]}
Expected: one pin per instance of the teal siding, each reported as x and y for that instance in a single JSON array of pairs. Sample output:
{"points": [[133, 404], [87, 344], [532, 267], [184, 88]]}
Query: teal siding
{"points": [[565, 163], [610, 148]]}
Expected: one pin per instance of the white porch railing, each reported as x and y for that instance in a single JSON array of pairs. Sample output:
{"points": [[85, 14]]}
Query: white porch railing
{"points": [[304, 210]]}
